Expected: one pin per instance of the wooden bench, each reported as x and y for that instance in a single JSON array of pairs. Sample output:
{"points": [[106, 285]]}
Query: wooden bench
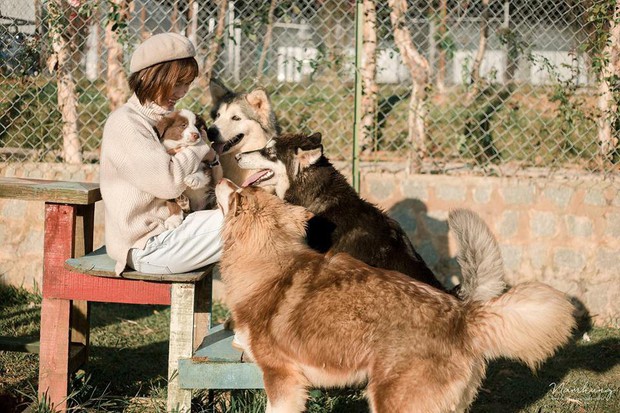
{"points": [[74, 275]]}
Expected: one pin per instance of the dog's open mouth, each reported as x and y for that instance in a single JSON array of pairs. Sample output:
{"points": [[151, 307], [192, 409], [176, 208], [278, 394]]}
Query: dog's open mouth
{"points": [[222, 148], [258, 177]]}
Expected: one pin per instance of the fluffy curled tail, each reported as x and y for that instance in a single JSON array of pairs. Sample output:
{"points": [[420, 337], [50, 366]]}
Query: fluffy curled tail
{"points": [[528, 323], [479, 257]]}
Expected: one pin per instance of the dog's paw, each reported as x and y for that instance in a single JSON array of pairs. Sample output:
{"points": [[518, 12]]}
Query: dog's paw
{"points": [[196, 180], [183, 202], [174, 221]]}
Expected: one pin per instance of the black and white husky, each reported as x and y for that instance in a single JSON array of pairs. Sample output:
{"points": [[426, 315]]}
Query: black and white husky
{"points": [[295, 166]]}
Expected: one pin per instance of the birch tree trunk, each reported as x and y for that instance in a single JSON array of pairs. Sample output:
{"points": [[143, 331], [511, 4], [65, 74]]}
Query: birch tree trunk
{"points": [[116, 84], [62, 61], [174, 18], [192, 29], [474, 77], [608, 133], [214, 46], [420, 72], [266, 41], [369, 72]]}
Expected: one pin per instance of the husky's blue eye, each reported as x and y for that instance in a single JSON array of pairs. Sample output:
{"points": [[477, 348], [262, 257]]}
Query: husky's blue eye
{"points": [[236, 117]]}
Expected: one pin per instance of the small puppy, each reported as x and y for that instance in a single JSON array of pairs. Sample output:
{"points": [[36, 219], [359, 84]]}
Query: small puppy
{"points": [[176, 131]]}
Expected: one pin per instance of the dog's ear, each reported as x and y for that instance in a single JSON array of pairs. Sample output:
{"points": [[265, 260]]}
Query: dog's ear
{"points": [[233, 203], [163, 125], [259, 100], [315, 138], [218, 90], [200, 123], [310, 151], [308, 157]]}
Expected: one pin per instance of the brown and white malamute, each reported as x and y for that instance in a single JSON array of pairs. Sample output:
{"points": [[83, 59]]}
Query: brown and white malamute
{"points": [[241, 122]]}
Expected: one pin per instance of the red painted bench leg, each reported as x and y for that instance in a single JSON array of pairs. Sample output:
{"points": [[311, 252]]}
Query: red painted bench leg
{"points": [[54, 352]]}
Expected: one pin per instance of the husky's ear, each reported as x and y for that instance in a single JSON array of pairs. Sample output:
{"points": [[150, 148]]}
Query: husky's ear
{"points": [[310, 151], [163, 125], [218, 90], [315, 138], [307, 157]]}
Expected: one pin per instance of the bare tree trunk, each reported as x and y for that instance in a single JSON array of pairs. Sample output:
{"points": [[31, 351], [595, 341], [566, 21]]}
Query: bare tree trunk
{"points": [[175, 17], [608, 133], [116, 84], [266, 41], [331, 13], [192, 30], [420, 72], [440, 81], [474, 77], [369, 73], [144, 33], [92, 57], [214, 47], [61, 60]]}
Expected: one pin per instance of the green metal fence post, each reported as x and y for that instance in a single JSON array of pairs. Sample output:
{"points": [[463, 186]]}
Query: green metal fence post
{"points": [[359, 28]]}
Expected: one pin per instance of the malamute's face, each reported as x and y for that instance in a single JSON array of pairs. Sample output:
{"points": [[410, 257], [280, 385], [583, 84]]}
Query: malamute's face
{"points": [[232, 122], [240, 120], [281, 161]]}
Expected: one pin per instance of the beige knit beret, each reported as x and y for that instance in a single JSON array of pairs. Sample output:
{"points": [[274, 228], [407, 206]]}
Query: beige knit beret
{"points": [[160, 48]]}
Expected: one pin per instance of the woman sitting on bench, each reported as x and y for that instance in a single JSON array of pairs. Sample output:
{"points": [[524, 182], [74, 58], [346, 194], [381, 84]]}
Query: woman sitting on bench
{"points": [[137, 176]]}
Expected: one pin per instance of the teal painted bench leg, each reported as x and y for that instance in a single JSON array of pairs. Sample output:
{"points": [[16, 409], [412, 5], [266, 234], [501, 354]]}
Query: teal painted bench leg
{"points": [[181, 344]]}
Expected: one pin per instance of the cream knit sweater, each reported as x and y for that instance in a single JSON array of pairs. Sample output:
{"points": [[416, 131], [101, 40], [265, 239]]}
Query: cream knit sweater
{"points": [[137, 176]]}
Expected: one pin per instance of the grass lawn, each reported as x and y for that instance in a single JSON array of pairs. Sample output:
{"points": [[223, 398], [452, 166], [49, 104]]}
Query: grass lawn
{"points": [[127, 370]]}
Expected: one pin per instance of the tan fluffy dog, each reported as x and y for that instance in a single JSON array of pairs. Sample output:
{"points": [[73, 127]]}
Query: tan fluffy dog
{"points": [[314, 320]]}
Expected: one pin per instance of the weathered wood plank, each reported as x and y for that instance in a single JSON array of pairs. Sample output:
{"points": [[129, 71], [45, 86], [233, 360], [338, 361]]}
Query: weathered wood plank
{"points": [[58, 282], [217, 346], [54, 352], [217, 365], [99, 264], [63, 192], [219, 376], [181, 344]]}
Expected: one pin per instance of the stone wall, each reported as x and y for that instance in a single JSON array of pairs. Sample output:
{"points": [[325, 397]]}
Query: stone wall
{"points": [[565, 232]]}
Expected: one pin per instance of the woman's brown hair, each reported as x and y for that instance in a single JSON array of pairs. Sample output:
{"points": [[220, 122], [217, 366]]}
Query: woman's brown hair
{"points": [[156, 82]]}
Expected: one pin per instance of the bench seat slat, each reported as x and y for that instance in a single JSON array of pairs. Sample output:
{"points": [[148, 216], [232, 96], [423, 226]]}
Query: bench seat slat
{"points": [[63, 192], [217, 365], [98, 263]]}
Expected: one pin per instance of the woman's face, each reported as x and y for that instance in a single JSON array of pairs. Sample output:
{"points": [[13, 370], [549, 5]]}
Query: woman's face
{"points": [[178, 91]]}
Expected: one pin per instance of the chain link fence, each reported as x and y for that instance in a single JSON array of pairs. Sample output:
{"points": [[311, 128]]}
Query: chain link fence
{"points": [[489, 87]]}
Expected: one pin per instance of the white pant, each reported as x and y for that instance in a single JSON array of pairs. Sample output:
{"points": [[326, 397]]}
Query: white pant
{"points": [[193, 244]]}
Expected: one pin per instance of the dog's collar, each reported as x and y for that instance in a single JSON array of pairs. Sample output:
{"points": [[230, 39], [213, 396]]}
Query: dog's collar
{"points": [[215, 162]]}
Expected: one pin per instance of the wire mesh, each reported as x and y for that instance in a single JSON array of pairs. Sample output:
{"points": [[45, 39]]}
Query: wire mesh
{"points": [[489, 87]]}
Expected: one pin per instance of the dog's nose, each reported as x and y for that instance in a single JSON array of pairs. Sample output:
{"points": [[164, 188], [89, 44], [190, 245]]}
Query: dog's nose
{"points": [[194, 136], [212, 133]]}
